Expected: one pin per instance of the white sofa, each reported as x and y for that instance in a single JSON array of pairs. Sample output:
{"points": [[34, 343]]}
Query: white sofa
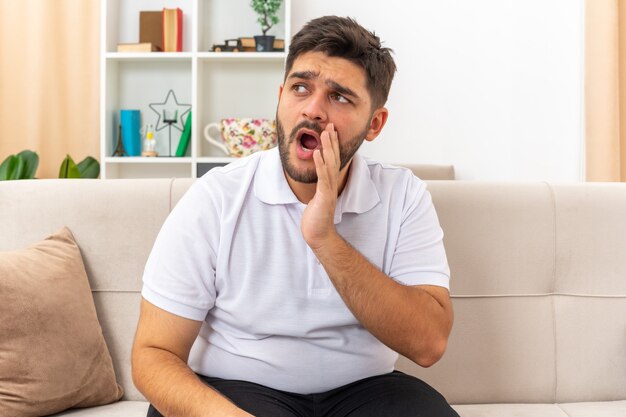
{"points": [[538, 285]]}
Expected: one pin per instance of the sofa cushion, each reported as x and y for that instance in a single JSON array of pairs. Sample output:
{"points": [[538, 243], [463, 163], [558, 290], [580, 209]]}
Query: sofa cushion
{"points": [[53, 355], [590, 409], [505, 410], [119, 409], [595, 409]]}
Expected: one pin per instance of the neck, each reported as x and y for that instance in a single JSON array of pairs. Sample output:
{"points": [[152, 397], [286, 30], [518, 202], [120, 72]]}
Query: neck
{"points": [[305, 192]]}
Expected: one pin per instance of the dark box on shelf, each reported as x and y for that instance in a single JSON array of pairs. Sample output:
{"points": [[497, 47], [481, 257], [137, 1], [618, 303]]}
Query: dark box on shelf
{"points": [[204, 167]]}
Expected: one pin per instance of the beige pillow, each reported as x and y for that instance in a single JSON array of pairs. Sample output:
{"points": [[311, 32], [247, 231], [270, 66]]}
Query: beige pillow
{"points": [[52, 352]]}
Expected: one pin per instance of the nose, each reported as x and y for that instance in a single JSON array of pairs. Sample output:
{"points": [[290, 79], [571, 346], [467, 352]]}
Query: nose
{"points": [[315, 108]]}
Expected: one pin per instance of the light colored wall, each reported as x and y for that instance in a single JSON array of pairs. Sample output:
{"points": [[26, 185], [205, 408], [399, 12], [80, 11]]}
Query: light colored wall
{"points": [[494, 87]]}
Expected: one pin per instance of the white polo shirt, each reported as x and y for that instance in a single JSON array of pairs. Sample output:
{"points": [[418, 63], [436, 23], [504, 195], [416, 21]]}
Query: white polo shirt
{"points": [[231, 254]]}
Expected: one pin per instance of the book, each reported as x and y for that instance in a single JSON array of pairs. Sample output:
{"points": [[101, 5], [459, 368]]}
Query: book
{"points": [[151, 28], [247, 42], [181, 150], [136, 47], [279, 44], [172, 30]]}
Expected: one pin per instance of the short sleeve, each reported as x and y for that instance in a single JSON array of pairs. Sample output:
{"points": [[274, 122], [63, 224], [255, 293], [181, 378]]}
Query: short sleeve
{"points": [[419, 257], [179, 276]]}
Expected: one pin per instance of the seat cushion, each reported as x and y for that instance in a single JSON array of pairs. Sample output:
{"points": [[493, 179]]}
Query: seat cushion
{"points": [[595, 409], [510, 410], [590, 409], [119, 409]]}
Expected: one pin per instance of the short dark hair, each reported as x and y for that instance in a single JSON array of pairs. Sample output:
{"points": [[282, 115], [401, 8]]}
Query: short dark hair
{"points": [[344, 37]]}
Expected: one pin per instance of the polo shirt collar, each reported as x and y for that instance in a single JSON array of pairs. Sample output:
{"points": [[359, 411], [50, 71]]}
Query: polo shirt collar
{"points": [[271, 186], [360, 194]]}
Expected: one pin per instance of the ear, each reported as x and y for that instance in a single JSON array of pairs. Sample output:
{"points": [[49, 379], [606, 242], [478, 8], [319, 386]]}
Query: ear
{"points": [[379, 118], [280, 91]]}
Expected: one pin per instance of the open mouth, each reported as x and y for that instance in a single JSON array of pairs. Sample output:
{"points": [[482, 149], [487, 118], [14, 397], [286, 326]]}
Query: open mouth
{"points": [[309, 140]]}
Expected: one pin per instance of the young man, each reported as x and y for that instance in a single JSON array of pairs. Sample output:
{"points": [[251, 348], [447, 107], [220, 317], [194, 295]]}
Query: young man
{"points": [[284, 284]]}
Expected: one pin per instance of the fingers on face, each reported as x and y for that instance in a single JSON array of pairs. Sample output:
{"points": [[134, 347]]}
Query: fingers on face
{"points": [[334, 141], [319, 166], [330, 141], [327, 158]]}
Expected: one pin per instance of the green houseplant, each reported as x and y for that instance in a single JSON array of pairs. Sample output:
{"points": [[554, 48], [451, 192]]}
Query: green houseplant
{"points": [[21, 166], [87, 168], [24, 164], [267, 11]]}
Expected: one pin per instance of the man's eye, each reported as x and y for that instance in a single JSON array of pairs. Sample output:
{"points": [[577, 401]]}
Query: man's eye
{"points": [[299, 88], [338, 97]]}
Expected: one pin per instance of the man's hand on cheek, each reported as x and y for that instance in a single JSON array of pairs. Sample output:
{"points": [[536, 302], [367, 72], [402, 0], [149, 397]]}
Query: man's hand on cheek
{"points": [[318, 218]]}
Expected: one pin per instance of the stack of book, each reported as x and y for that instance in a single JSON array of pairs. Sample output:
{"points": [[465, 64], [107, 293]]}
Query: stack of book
{"points": [[159, 31]]}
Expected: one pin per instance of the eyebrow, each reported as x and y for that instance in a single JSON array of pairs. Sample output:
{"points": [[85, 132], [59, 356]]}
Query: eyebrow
{"points": [[344, 91], [341, 89], [305, 75]]}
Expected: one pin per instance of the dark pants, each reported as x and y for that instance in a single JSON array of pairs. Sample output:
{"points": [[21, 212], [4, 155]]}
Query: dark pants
{"points": [[391, 395]]}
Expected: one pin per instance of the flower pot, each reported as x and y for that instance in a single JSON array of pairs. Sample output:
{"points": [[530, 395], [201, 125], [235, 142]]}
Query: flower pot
{"points": [[264, 43]]}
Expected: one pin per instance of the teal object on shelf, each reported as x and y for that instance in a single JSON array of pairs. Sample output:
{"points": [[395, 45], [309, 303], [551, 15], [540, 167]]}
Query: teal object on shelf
{"points": [[131, 131]]}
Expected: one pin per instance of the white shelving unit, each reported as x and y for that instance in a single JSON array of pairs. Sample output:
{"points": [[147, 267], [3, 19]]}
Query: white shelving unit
{"points": [[216, 84]]}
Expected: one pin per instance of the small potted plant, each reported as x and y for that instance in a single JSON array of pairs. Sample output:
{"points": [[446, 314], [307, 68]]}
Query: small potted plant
{"points": [[23, 166], [266, 9]]}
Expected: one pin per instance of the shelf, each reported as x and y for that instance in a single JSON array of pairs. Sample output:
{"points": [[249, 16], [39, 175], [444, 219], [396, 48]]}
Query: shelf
{"points": [[146, 160], [165, 56], [137, 83], [279, 56], [217, 85], [148, 56], [215, 159], [120, 20], [219, 20]]}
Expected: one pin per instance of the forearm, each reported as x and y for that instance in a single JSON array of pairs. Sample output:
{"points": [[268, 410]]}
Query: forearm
{"points": [[173, 388], [407, 319]]}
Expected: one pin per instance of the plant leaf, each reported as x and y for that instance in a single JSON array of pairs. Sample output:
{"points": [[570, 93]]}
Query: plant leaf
{"points": [[5, 168], [31, 162], [9, 167], [69, 169], [89, 168], [20, 168]]}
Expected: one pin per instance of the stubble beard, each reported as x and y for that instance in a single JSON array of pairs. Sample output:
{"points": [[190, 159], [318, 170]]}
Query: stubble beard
{"points": [[309, 176]]}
